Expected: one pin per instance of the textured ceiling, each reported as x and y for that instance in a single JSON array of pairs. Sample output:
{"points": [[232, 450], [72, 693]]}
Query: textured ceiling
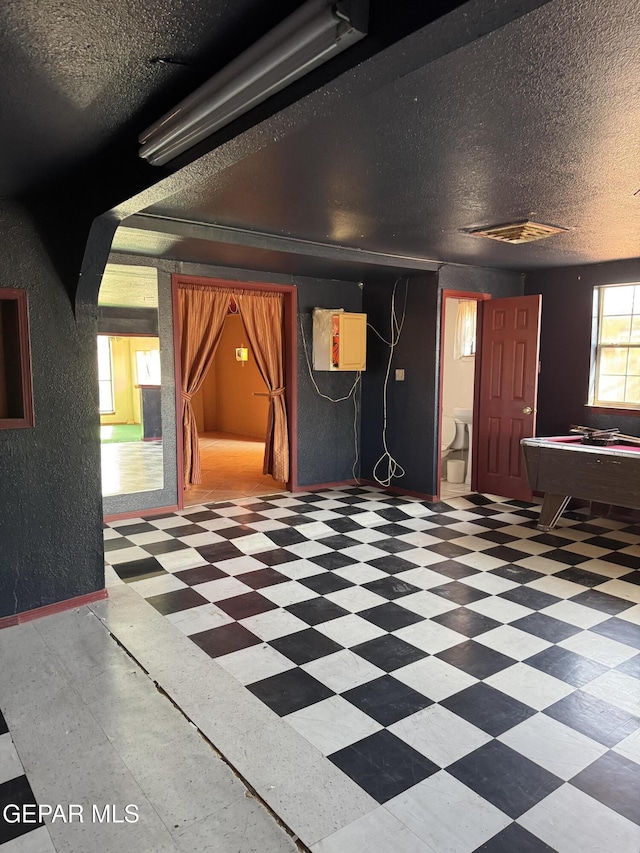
{"points": [[81, 80], [129, 286], [539, 119], [78, 80]]}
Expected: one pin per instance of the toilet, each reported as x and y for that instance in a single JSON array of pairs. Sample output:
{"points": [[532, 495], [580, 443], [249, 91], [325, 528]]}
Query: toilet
{"points": [[453, 436]]}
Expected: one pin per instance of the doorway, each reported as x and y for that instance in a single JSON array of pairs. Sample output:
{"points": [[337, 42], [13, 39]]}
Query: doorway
{"points": [[458, 337], [129, 383], [231, 410], [507, 390], [231, 406]]}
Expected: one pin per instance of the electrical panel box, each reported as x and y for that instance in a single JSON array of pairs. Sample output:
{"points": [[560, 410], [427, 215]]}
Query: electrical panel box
{"points": [[339, 340]]}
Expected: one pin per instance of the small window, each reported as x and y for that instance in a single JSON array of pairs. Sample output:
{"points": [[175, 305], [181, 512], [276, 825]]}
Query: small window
{"points": [[16, 403], [148, 367], [615, 371], [464, 345], [105, 376]]}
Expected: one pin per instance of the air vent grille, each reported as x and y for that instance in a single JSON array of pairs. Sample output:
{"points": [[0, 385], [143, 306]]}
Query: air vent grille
{"points": [[518, 232]]}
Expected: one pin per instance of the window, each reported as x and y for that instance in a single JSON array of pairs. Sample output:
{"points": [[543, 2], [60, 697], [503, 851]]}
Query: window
{"points": [[148, 367], [16, 403], [105, 376], [616, 346], [464, 344]]}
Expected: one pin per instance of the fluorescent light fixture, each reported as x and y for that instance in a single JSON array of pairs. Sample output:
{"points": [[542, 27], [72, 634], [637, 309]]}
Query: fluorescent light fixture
{"points": [[314, 33]]}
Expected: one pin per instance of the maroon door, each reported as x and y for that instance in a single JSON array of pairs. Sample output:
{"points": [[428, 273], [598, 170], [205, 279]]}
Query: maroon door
{"points": [[507, 395]]}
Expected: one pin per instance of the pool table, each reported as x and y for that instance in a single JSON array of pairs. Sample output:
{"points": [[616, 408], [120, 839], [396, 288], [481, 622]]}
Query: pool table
{"points": [[564, 468]]}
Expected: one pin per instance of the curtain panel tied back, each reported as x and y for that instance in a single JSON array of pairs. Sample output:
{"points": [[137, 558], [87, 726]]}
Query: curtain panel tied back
{"points": [[263, 318], [202, 312]]}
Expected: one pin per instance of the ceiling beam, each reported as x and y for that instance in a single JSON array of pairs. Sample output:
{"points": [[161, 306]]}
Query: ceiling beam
{"points": [[186, 229]]}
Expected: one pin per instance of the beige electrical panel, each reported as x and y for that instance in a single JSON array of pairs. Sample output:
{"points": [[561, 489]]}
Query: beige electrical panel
{"points": [[339, 340]]}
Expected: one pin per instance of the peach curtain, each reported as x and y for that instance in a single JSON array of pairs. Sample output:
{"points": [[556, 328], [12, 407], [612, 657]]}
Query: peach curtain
{"points": [[263, 318], [202, 312]]}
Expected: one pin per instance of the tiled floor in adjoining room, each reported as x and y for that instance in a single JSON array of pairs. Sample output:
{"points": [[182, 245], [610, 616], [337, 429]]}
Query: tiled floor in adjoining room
{"points": [[453, 490], [132, 466], [395, 675], [231, 468]]}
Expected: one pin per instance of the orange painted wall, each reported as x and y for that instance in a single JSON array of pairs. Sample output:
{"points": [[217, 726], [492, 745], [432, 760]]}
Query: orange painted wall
{"points": [[225, 402]]}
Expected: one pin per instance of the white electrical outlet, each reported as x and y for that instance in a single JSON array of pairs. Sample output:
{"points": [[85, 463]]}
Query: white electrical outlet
{"points": [[400, 374]]}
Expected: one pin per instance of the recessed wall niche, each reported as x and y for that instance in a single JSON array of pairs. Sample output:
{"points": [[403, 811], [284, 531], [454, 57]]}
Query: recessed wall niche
{"points": [[16, 403]]}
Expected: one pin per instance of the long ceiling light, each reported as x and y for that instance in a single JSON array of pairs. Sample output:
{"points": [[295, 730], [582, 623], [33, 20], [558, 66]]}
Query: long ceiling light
{"points": [[314, 33]]}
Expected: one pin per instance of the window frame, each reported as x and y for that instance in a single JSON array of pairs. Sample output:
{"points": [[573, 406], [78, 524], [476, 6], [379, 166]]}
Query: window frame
{"points": [[606, 406], [27, 420], [112, 410]]}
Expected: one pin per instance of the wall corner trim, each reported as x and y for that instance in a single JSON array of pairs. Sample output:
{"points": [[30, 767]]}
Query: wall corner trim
{"points": [[50, 609]]}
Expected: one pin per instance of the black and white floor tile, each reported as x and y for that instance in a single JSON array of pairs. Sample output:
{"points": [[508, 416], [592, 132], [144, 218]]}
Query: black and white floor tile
{"points": [[132, 466], [465, 669], [16, 836]]}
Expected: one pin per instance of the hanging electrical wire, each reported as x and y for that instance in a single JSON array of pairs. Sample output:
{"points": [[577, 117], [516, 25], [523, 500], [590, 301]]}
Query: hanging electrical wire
{"points": [[393, 468], [356, 451], [311, 376], [352, 393]]}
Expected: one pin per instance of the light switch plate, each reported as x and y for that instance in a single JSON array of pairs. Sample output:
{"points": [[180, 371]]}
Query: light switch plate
{"points": [[400, 374]]}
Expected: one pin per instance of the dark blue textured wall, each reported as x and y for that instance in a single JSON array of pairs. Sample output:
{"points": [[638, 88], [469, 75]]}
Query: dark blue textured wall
{"points": [[413, 404], [565, 345], [481, 280], [325, 430], [410, 424], [50, 506]]}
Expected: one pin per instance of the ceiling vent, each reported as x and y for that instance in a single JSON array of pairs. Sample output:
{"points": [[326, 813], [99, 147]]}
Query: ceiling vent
{"points": [[517, 232]]}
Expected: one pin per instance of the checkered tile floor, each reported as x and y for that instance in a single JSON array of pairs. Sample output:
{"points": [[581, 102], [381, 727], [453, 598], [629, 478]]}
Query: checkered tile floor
{"points": [[15, 792], [458, 664]]}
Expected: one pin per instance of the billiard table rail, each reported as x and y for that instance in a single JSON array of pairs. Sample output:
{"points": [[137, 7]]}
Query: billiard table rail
{"points": [[564, 468]]}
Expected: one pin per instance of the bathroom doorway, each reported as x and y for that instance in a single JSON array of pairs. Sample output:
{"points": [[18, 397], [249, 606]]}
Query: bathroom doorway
{"points": [[458, 339]]}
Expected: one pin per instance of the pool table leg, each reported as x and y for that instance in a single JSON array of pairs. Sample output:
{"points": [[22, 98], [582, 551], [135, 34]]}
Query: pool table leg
{"points": [[552, 508]]}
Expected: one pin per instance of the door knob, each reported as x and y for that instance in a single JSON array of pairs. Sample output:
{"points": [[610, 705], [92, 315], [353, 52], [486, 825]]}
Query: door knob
{"points": [[527, 410]]}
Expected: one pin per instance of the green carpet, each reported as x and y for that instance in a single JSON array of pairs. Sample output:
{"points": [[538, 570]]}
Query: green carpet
{"points": [[118, 433]]}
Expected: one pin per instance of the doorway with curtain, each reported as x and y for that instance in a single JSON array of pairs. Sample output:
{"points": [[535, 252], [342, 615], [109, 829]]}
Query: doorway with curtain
{"points": [[235, 371]]}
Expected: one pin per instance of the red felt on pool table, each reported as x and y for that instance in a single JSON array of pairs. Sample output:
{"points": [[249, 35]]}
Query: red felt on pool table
{"points": [[577, 439]]}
